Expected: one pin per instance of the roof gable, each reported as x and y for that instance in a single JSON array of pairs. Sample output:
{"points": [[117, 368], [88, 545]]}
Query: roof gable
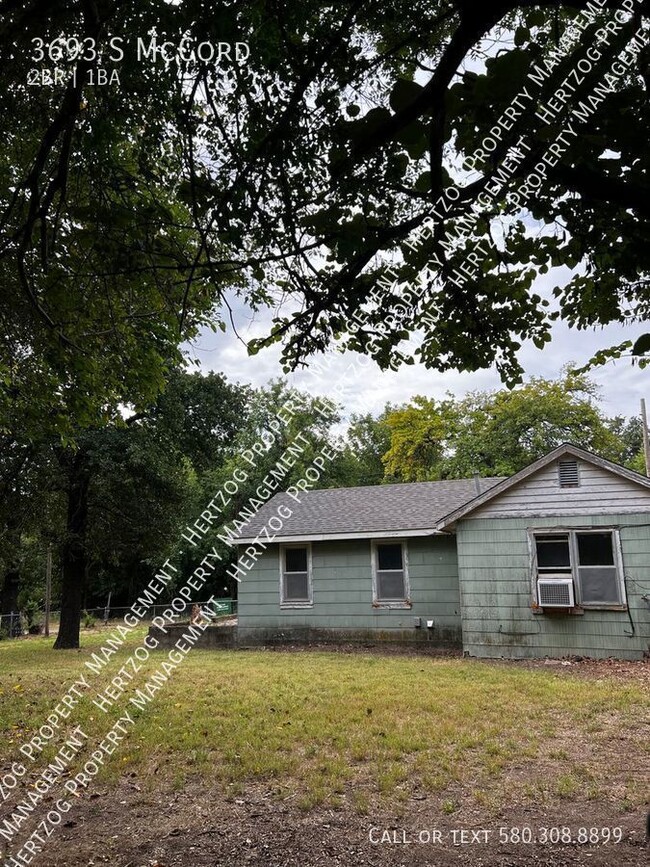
{"points": [[564, 450]]}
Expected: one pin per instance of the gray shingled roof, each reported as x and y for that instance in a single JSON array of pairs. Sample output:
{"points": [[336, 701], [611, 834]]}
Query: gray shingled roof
{"points": [[373, 509]]}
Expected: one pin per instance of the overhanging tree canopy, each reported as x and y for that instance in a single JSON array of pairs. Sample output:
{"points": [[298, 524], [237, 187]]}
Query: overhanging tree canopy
{"points": [[129, 212]]}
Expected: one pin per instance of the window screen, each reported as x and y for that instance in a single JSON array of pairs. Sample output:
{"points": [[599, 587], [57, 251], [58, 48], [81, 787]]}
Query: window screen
{"points": [[296, 587], [599, 584], [295, 575], [597, 571], [390, 585], [390, 573]]}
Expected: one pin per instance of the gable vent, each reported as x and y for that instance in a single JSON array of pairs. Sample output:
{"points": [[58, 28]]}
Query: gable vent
{"points": [[568, 474]]}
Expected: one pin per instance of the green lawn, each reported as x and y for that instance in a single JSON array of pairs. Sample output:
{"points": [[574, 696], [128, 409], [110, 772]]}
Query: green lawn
{"points": [[322, 727]]}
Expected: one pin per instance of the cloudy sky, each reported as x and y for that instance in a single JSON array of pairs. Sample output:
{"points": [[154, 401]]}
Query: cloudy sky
{"points": [[367, 389]]}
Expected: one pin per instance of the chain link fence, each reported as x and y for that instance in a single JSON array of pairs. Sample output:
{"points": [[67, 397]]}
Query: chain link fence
{"points": [[11, 625], [14, 625], [220, 608]]}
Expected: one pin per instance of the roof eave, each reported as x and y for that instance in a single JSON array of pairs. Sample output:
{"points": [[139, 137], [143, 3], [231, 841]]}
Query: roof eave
{"points": [[334, 537]]}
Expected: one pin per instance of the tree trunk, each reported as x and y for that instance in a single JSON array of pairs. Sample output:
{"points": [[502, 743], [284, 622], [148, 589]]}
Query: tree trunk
{"points": [[10, 587], [9, 602], [10, 582], [73, 563]]}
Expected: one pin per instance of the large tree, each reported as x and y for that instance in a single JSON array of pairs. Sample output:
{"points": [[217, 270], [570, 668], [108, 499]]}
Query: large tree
{"points": [[131, 485], [366, 440], [498, 433], [127, 210], [112, 506], [283, 432]]}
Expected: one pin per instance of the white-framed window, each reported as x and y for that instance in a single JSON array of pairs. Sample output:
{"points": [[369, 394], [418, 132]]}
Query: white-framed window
{"points": [[390, 578], [590, 557], [295, 576]]}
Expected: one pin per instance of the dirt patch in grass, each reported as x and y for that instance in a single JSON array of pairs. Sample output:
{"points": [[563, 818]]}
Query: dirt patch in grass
{"points": [[621, 670], [197, 827], [291, 757], [637, 671]]}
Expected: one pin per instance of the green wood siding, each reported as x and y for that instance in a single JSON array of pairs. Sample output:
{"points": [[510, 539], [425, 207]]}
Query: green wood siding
{"points": [[342, 590], [495, 579]]}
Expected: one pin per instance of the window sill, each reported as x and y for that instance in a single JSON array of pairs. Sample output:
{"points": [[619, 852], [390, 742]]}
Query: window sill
{"points": [[296, 605], [378, 603], [578, 610]]}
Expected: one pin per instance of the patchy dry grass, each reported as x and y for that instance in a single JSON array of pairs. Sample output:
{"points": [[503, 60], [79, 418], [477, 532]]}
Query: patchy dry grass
{"points": [[325, 727]]}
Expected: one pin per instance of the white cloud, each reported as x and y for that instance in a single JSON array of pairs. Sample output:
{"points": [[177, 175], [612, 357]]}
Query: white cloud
{"points": [[622, 385]]}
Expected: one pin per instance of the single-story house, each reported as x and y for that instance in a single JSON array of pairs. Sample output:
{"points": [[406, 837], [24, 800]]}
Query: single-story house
{"points": [[552, 561]]}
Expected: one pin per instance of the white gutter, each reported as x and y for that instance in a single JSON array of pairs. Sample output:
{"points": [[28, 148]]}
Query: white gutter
{"points": [[326, 537]]}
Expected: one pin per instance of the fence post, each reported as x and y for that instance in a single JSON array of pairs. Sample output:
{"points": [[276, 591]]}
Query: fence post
{"points": [[48, 590], [108, 607]]}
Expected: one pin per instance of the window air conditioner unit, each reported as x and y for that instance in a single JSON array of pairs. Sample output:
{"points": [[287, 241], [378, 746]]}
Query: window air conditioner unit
{"points": [[555, 592]]}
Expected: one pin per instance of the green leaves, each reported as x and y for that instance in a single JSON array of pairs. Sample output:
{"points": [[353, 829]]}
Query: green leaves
{"points": [[313, 157], [522, 35], [415, 140], [641, 345], [423, 183], [403, 93], [367, 125], [500, 432], [507, 72]]}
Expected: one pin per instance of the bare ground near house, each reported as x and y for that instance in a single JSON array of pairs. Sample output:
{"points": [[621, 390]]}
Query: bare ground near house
{"points": [[200, 827], [143, 821]]}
